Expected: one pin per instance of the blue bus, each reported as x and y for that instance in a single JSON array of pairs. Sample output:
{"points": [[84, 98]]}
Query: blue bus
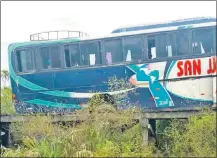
{"points": [[167, 65]]}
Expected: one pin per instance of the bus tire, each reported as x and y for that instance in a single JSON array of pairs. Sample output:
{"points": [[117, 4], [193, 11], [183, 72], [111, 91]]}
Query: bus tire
{"points": [[101, 99], [105, 108]]}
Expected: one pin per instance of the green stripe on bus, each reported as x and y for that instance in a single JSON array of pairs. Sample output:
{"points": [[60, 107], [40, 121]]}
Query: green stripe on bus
{"points": [[134, 68]]}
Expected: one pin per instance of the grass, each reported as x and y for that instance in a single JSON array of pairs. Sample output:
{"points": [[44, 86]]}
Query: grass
{"points": [[100, 136], [94, 137]]}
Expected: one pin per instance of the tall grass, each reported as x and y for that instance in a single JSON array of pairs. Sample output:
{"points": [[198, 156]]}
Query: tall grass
{"points": [[97, 136], [100, 136]]}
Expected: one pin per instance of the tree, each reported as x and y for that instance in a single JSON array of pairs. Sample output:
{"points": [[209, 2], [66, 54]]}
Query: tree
{"points": [[5, 77]]}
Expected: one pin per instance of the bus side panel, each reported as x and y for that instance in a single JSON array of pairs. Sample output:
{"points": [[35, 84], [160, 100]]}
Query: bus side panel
{"points": [[84, 82], [195, 85], [191, 93], [43, 79], [76, 78], [174, 84], [88, 80]]}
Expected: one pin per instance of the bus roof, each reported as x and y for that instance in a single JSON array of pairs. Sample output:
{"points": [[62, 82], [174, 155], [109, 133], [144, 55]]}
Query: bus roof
{"points": [[146, 31], [179, 22]]}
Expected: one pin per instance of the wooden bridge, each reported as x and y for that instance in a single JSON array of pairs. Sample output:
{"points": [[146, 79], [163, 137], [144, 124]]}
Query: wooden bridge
{"points": [[147, 119]]}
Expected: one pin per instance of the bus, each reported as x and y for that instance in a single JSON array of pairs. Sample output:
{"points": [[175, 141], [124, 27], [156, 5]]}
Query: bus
{"points": [[166, 66]]}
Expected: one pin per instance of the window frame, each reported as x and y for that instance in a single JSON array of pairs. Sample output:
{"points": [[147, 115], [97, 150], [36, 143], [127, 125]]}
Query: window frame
{"points": [[16, 61], [205, 54], [167, 34], [123, 49], [97, 55], [39, 57], [189, 31], [173, 35], [64, 57], [199, 29], [60, 56], [104, 53]]}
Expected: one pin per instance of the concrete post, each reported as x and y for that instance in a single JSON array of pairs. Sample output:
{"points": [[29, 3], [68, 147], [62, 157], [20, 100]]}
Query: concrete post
{"points": [[144, 126]]}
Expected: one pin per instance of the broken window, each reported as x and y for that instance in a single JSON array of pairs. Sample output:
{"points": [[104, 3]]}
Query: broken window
{"points": [[182, 43], [90, 53], [113, 51], [50, 57], [133, 48], [25, 60], [160, 46], [72, 55], [203, 41]]}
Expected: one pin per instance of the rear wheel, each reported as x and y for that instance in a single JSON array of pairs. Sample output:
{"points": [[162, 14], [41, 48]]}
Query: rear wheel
{"points": [[102, 101]]}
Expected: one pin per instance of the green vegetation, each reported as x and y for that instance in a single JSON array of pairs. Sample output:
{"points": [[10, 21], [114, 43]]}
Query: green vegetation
{"points": [[6, 101], [99, 135], [195, 137], [109, 132], [6, 95]]}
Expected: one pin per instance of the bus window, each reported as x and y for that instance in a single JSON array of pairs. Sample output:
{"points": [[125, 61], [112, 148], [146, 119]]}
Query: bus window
{"points": [[170, 45], [67, 57], [45, 57], [25, 60], [133, 48], [202, 41], [113, 51], [160, 46], [55, 56], [151, 48], [72, 56], [90, 53], [182, 43]]}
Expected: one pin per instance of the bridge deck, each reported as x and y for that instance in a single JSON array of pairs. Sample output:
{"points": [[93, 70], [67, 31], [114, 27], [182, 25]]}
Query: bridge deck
{"points": [[75, 117], [142, 117]]}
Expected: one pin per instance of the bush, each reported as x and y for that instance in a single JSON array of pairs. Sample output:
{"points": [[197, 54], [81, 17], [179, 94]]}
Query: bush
{"points": [[193, 137], [100, 135]]}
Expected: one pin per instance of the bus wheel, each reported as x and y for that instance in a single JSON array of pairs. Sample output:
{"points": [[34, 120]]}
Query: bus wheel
{"points": [[101, 99], [105, 108]]}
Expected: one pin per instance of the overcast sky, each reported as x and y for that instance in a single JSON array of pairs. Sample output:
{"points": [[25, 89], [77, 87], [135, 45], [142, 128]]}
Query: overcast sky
{"points": [[20, 19]]}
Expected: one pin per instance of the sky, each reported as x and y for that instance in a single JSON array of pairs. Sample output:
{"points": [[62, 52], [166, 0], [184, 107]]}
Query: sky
{"points": [[20, 19]]}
